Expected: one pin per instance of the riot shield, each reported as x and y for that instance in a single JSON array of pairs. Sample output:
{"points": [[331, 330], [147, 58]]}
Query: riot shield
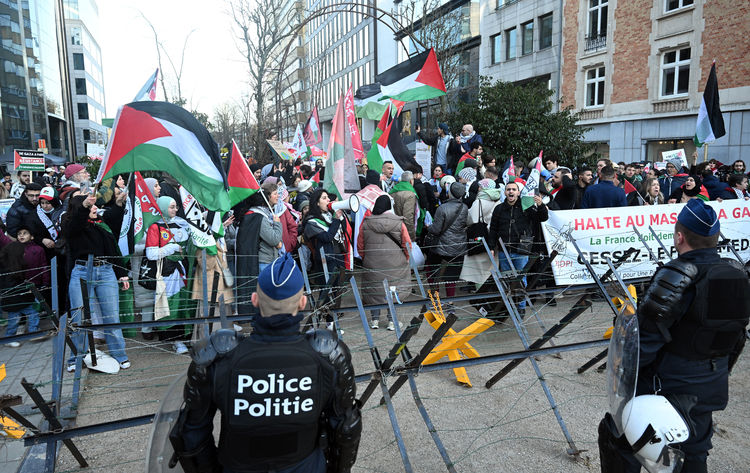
{"points": [[622, 368], [159, 448]]}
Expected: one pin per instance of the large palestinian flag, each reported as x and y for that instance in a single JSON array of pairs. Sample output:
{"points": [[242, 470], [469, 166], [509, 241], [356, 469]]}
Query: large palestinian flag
{"points": [[417, 78], [369, 105], [710, 125], [160, 136], [388, 146], [242, 183]]}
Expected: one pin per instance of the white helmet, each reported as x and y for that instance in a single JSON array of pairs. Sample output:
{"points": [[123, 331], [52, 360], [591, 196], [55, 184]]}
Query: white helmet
{"points": [[651, 425]]}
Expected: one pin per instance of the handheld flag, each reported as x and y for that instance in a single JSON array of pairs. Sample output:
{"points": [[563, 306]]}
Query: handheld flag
{"points": [[161, 136], [509, 175], [298, 144], [146, 211], [629, 187], [710, 125], [341, 173], [312, 132], [389, 147], [200, 230], [242, 183], [417, 78], [148, 91], [351, 121], [532, 185]]}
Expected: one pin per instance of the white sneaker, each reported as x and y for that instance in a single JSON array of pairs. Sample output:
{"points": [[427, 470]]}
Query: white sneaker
{"points": [[392, 327], [180, 348], [14, 344], [375, 324], [125, 365], [71, 368]]}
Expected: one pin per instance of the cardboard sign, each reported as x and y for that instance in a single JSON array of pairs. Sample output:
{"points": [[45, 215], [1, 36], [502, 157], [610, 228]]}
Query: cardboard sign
{"points": [[279, 148], [28, 160], [675, 153], [424, 157]]}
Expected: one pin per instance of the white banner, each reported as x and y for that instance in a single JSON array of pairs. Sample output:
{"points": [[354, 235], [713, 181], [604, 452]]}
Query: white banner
{"points": [[608, 232]]}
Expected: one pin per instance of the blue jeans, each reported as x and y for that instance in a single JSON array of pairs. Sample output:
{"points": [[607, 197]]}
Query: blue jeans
{"points": [[103, 285], [32, 320], [519, 262]]}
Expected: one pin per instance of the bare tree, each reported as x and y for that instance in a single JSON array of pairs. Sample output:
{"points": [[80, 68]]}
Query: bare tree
{"points": [[226, 123], [261, 26], [438, 28]]}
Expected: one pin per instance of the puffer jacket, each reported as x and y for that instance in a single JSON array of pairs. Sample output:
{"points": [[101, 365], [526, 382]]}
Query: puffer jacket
{"points": [[511, 222], [452, 216]]}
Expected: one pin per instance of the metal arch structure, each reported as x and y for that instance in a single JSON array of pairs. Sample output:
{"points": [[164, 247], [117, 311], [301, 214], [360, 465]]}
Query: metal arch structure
{"points": [[371, 11]]}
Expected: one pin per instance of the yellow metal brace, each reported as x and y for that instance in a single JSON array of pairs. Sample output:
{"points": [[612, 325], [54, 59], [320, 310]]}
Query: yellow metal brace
{"points": [[619, 303], [10, 428], [454, 344]]}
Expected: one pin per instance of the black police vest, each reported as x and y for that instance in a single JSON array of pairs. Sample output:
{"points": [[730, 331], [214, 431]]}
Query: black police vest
{"points": [[716, 320], [271, 396]]}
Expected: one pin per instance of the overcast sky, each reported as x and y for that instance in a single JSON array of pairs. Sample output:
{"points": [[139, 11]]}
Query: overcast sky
{"points": [[214, 70]]}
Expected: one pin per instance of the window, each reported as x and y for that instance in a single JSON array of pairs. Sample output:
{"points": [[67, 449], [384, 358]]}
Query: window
{"points": [[86, 134], [496, 48], [676, 4], [83, 111], [81, 86], [527, 40], [597, 19], [595, 87], [78, 61], [675, 72], [510, 43], [545, 31], [75, 36]]}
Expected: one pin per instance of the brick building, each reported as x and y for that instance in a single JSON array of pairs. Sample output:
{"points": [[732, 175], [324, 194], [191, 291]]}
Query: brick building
{"points": [[636, 71]]}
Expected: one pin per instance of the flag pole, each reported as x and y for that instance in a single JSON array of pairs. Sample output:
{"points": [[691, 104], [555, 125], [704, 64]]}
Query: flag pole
{"points": [[705, 152]]}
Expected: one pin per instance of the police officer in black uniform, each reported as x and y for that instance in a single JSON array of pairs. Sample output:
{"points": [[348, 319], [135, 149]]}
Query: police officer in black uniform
{"points": [[692, 323], [287, 400]]}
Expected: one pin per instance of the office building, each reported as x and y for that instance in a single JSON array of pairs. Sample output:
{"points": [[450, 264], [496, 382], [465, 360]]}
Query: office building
{"points": [[86, 78]]}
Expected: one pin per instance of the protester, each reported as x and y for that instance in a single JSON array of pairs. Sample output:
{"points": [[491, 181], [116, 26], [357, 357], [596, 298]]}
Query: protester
{"points": [[713, 185], [736, 189], [323, 229], [168, 242], [383, 244], [515, 226], [605, 193], [449, 230], [691, 189], [467, 138], [673, 178], [271, 231], [88, 233], [691, 330], [650, 193], [563, 189], [77, 182], [24, 179], [23, 211], [386, 176], [738, 167], [289, 219], [17, 258], [317, 362], [153, 187], [444, 148], [476, 268], [405, 202]]}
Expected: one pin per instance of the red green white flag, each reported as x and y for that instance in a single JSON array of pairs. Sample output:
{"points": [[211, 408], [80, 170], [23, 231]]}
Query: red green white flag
{"points": [[340, 176], [242, 183], [160, 136], [417, 78], [312, 133], [146, 211]]}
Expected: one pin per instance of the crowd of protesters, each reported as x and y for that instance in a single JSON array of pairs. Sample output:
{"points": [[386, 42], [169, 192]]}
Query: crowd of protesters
{"points": [[467, 196]]}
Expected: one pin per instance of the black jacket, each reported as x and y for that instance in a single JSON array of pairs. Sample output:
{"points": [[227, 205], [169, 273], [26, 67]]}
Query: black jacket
{"points": [[85, 237], [511, 222], [565, 198]]}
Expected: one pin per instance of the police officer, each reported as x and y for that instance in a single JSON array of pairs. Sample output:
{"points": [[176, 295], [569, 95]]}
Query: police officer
{"points": [[287, 400], [692, 329]]}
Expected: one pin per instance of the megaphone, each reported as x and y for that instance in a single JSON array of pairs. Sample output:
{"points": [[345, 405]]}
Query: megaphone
{"points": [[352, 203]]}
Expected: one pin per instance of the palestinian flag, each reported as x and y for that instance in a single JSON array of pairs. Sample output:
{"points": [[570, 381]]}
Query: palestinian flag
{"points": [[509, 175], [703, 194], [160, 136], [148, 91], [388, 146], [368, 102], [531, 188], [417, 78], [242, 183], [462, 162], [710, 125], [340, 176], [312, 132]]}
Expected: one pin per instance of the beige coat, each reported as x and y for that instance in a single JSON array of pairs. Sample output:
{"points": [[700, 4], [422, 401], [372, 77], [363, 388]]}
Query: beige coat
{"points": [[382, 258], [214, 264]]}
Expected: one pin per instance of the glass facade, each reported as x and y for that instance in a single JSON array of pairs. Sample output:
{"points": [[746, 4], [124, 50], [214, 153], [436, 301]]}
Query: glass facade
{"points": [[31, 88]]}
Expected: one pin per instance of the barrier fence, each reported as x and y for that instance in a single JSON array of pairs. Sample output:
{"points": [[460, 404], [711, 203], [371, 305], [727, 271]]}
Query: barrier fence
{"points": [[503, 321]]}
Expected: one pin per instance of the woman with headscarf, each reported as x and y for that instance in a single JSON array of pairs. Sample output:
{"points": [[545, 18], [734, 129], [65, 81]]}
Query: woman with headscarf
{"points": [[144, 298], [288, 217], [168, 241], [88, 233], [153, 186], [691, 189], [323, 229], [449, 226], [383, 245]]}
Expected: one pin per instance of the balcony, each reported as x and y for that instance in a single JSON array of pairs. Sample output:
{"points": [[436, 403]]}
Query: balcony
{"points": [[595, 42]]}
